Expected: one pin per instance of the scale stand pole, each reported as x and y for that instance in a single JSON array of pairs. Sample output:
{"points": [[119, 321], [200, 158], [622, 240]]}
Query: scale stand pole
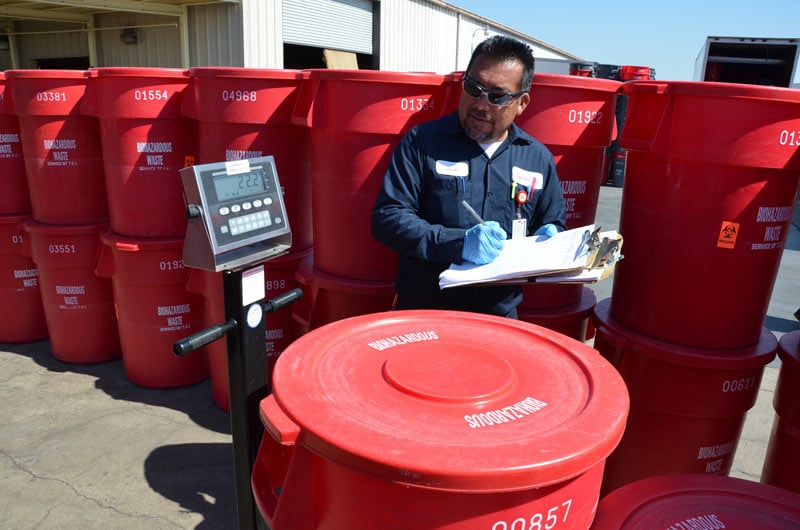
{"points": [[249, 378], [248, 382]]}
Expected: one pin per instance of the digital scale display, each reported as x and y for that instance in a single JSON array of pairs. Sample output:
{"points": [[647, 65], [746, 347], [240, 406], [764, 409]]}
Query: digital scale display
{"points": [[238, 186], [240, 203]]}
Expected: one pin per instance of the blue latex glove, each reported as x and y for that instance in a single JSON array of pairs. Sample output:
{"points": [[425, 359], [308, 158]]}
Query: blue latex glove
{"points": [[548, 230], [483, 242]]}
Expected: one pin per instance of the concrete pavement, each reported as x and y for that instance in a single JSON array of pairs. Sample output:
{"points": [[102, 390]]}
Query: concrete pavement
{"points": [[82, 447]]}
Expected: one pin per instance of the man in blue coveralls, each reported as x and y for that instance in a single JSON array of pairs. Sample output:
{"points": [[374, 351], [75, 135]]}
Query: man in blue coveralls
{"points": [[479, 155]]}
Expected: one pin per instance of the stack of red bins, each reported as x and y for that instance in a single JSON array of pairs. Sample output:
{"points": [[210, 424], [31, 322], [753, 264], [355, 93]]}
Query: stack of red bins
{"points": [[574, 117], [244, 113], [705, 217], [22, 318], [145, 142], [64, 171]]}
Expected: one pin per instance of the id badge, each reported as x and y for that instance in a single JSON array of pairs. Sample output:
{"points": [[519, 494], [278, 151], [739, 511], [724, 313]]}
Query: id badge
{"points": [[519, 228]]}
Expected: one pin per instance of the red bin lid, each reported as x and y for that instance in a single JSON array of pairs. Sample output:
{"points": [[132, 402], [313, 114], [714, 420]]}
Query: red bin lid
{"points": [[448, 400], [698, 501]]}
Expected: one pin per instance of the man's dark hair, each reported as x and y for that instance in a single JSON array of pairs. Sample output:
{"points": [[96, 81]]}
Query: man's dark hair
{"points": [[500, 48]]}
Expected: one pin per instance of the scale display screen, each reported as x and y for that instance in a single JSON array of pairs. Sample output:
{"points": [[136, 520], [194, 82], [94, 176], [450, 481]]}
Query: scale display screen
{"points": [[241, 201], [237, 186]]}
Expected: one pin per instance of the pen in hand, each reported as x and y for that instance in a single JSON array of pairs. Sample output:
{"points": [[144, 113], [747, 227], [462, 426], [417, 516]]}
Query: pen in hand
{"points": [[483, 241], [472, 212]]}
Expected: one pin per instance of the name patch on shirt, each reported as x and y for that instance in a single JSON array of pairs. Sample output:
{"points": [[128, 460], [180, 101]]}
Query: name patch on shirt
{"points": [[452, 169], [529, 179]]}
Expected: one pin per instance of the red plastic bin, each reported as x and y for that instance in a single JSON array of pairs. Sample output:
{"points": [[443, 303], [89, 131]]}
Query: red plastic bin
{"points": [[154, 309], [356, 119], [78, 306], [436, 419], [574, 116], [710, 187], [782, 461], [146, 141], [688, 405], [701, 502], [21, 312], [63, 158], [14, 195], [247, 113]]}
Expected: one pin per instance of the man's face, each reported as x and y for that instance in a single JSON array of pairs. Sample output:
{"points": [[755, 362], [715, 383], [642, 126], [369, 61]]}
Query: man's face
{"points": [[483, 121]]}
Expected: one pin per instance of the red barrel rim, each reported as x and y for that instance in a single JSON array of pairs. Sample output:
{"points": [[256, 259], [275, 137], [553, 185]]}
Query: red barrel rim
{"points": [[760, 354], [341, 284], [575, 81], [14, 218], [711, 89], [133, 244], [377, 76], [789, 349], [583, 306], [655, 502], [46, 74], [244, 72], [127, 71], [367, 392], [35, 227]]}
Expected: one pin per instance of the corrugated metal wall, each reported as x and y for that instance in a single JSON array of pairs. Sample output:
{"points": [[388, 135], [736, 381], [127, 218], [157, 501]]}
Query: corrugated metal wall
{"points": [[417, 36], [336, 24], [215, 35], [157, 46], [48, 40], [262, 33], [426, 36]]}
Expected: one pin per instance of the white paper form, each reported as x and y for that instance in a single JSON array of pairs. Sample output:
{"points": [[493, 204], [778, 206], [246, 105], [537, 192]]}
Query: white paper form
{"points": [[528, 256]]}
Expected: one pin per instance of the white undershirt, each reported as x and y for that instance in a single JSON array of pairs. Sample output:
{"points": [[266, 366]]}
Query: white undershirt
{"points": [[490, 148]]}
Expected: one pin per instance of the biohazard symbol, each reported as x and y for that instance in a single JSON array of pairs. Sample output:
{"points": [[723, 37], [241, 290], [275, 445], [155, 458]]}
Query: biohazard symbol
{"points": [[728, 234]]}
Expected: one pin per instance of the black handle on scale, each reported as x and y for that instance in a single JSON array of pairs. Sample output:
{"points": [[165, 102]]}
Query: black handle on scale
{"points": [[206, 336], [197, 340]]}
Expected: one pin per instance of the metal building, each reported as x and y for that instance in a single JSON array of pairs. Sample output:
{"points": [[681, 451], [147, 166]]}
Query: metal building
{"points": [[397, 35]]}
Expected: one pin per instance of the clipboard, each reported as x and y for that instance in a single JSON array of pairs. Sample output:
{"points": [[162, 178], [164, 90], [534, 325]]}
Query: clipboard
{"points": [[583, 255]]}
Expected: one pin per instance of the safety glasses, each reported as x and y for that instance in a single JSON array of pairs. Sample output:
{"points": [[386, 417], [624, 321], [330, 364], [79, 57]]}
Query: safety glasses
{"points": [[501, 98]]}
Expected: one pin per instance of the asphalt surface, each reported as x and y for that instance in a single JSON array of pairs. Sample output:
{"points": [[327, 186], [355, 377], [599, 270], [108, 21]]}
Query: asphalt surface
{"points": [[82, 447]]}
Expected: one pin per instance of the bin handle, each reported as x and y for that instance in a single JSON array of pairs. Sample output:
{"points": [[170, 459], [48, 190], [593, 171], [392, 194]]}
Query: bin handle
{"points": [[127, 247], [304, 104], [27, 248], [104, 263], [655, 138], [301, 312], [277, 447], [618, 344]]}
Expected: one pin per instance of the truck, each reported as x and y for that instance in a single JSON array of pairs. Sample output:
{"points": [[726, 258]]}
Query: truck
{"points": [[749, 60]]}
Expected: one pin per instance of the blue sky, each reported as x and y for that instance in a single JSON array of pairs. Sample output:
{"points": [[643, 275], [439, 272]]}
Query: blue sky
{"points": [[666, 35]]}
